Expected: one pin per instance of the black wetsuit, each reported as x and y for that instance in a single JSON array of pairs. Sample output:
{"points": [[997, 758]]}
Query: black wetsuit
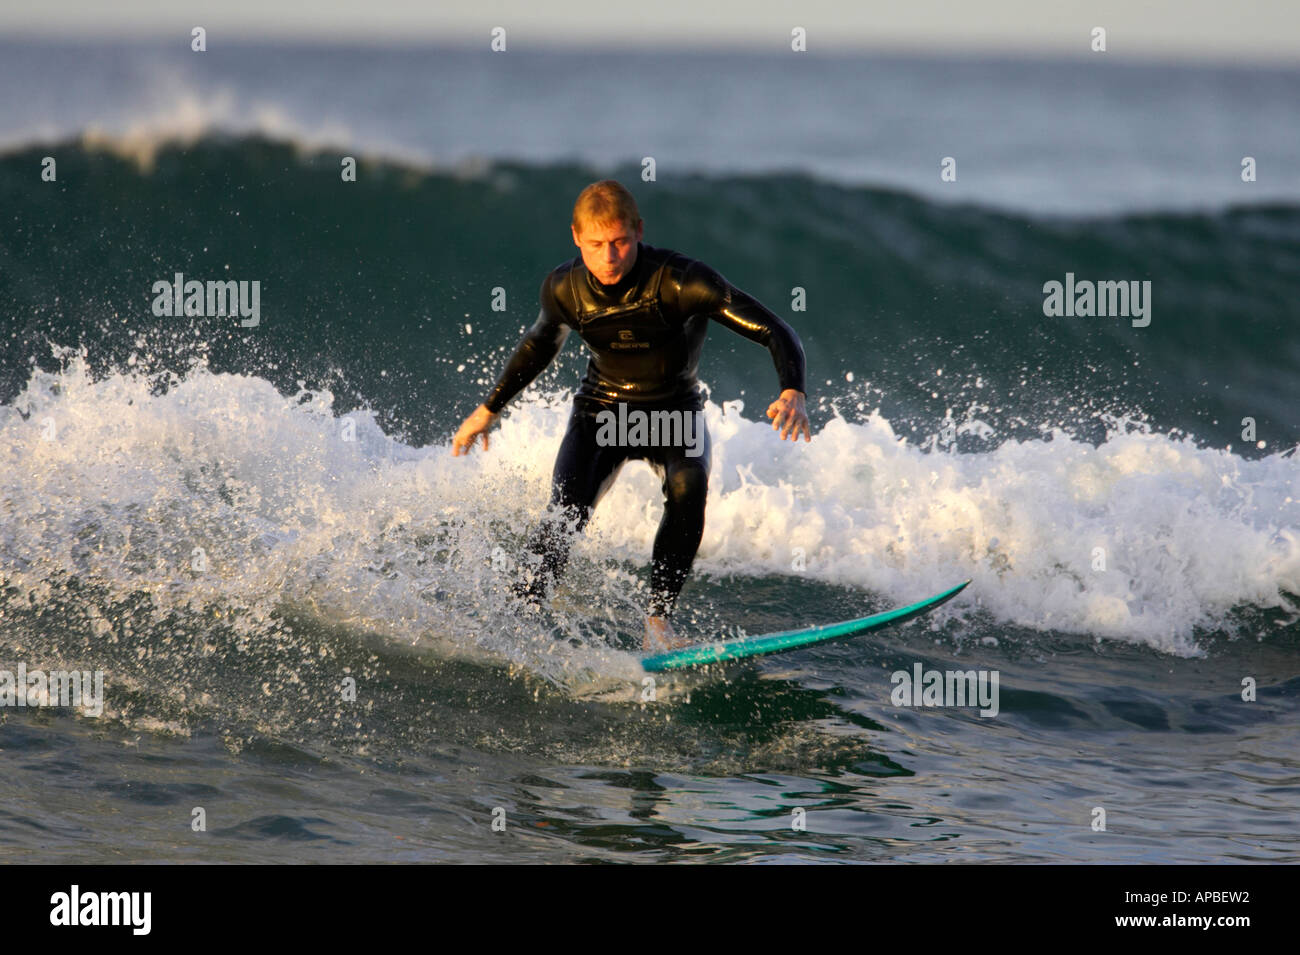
{"points": [[645, 333]]}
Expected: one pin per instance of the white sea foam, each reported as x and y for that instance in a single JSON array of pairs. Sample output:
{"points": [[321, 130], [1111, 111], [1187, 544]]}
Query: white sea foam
{"points": [[105, 480]]}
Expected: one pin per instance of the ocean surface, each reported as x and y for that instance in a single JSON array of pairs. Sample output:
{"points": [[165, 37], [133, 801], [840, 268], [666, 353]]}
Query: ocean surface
{"points": [[297, 595]]}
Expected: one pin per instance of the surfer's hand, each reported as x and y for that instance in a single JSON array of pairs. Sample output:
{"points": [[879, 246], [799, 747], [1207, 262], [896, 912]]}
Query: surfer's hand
{"points": [[476, 424], [788, 415]]}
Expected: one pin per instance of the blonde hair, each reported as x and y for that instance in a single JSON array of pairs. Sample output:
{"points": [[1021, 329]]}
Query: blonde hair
{"points": [[605, 202]]}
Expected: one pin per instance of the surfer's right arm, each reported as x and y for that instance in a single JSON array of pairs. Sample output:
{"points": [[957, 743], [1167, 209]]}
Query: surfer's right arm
{"points": [[540, 345]]}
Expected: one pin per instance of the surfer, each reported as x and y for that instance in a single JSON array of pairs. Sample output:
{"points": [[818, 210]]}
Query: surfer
{"points": [[644, 313]]}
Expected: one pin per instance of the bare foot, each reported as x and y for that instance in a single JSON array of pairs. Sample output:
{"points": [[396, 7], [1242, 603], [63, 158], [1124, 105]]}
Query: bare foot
{"points": [[659, 636]]}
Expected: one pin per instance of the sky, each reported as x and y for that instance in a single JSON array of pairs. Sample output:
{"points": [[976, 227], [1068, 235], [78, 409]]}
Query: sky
{"points": [[1254, 32]]}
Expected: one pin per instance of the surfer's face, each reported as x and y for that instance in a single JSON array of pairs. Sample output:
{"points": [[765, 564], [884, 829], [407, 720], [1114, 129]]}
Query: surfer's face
{"points": [[609, 249]]}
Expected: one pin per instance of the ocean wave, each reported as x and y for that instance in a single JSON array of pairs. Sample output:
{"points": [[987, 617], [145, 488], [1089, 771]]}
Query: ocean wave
{"points": [[224, 492]]}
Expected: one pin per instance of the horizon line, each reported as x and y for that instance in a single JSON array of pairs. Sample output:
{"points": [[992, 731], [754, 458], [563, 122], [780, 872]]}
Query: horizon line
{"points": [[462, 41]]}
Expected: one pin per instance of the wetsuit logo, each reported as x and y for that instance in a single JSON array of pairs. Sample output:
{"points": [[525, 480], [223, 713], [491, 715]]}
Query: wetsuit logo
{"points": [[627, 339], [637, 428]]}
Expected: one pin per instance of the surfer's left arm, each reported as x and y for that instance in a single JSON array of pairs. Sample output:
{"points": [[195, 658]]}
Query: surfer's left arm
{"points": [[705, 291]]}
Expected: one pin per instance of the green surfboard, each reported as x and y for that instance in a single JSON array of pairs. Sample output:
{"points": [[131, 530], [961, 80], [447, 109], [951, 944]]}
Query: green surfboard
{"points": [[742, 648]]}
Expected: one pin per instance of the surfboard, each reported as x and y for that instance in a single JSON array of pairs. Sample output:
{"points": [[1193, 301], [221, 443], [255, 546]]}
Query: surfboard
{"points": [[741, 648]]}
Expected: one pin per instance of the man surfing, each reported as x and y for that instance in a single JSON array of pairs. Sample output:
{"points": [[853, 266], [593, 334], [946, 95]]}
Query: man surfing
{"points": [[644, 313]]}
